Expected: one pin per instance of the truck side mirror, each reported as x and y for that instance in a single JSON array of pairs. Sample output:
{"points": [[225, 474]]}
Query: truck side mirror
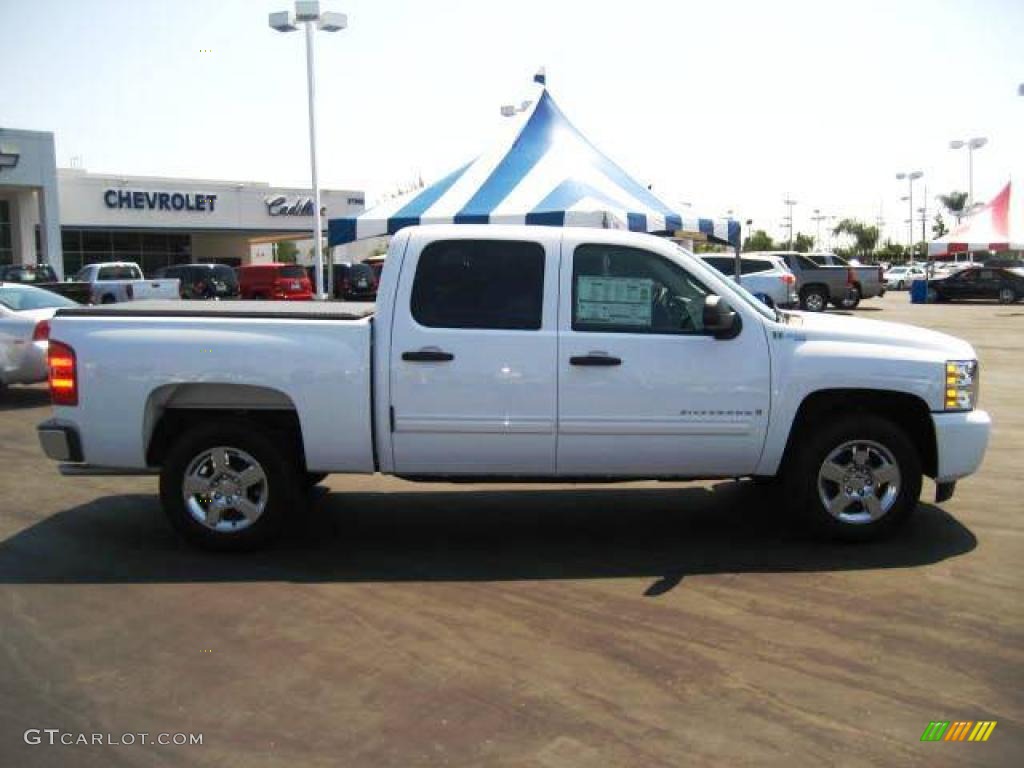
{"points": [[720, 320]]}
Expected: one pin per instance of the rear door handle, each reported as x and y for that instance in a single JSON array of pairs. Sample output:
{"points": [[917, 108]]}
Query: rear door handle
{"points": [[597, 360], [428, 356]]}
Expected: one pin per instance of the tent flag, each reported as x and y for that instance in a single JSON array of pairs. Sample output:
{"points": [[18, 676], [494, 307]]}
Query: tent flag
{"points": [[543, 171], [996, 226]]}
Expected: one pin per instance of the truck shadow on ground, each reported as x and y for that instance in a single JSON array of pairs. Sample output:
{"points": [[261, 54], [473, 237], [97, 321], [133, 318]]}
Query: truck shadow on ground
{"points": [[474, 535]]}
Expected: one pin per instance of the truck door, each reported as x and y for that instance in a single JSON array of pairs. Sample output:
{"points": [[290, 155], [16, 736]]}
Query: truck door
{"points": [[643, 390], [473, 357]]}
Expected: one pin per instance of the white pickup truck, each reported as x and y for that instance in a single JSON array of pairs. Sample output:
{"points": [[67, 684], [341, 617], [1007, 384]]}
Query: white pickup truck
{"points": [[502, 353], [114, 281]]}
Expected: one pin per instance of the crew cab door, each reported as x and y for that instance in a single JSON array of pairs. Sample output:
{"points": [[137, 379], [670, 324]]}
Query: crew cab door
{"points": [[473, 357], [643, 390]]}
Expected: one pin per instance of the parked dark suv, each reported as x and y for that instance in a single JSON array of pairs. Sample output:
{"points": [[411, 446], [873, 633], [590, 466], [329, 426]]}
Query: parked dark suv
{"points": [[354, 282], [203, 281]]}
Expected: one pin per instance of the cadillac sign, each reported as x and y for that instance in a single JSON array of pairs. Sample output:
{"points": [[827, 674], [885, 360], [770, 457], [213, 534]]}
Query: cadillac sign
{"points": [[296, 206]]}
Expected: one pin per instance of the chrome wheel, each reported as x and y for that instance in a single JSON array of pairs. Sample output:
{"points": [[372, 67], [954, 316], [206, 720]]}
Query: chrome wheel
{"points": [[225, 489], [859, 482], [815, 302]]}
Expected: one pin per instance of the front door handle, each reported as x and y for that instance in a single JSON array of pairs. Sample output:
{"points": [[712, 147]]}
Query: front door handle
{"points": [[428, 356], [596, 360]]}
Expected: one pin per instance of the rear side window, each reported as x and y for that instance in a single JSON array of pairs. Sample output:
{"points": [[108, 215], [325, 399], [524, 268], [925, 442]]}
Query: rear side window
{"points": [[292, 272], [496, 284]]}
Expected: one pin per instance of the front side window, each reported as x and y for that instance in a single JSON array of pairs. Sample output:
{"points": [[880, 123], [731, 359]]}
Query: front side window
{"points": [[495, 284], [628, 290]]}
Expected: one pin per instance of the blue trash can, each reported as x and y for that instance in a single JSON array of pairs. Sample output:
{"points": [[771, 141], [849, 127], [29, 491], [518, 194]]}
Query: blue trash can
{"points": [[919, 292]]}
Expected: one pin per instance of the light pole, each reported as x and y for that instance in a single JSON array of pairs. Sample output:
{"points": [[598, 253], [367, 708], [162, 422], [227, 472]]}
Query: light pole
{"points": [[817, 218], [790, 203], [911, 177], [307, 13], [971, 144]]}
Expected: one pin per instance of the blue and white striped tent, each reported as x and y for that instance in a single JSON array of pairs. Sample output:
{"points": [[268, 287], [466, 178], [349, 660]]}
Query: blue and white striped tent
{"points": [[544, 171]]}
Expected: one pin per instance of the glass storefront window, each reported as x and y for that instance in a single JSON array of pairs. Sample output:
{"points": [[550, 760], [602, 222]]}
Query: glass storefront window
{"points": [[6, 251], [150, 250]]}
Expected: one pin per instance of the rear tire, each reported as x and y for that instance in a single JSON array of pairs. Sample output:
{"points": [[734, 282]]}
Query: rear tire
{"points": [[1007, 296], [856, 479], [813, 299], [850, 301], [211, 465]]}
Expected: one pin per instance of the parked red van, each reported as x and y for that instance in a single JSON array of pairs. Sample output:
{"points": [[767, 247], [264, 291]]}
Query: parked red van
{"points": [[280, 282]]}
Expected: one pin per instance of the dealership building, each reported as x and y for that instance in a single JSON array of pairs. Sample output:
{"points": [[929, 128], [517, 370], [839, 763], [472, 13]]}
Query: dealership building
{"points": [[69, 217]]}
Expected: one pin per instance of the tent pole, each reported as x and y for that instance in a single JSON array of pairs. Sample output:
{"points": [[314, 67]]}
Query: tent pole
{"points": [[738, 266]]}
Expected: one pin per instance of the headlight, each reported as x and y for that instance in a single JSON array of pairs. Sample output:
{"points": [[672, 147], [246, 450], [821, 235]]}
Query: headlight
{"points": [[961, 385]]}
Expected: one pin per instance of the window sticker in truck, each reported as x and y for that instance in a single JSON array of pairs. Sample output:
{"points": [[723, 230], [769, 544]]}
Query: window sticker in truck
{"points": [[614, 300]]}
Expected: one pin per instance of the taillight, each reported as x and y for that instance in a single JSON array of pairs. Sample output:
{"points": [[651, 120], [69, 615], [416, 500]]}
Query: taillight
{"points": [[63, 375], [41, 331], [788, 279]]}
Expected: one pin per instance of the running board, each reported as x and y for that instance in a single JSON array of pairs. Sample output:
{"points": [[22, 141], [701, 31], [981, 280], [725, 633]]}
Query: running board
{"points": [[79, 470]]}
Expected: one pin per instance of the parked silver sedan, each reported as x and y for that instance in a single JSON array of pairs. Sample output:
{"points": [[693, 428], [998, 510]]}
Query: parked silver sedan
{"points": [[25, 313]]}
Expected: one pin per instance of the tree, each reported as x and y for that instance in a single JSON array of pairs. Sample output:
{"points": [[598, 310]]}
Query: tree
{"points": [[286, 251], [865, 237], [759, 241], [891, 252], [803, 243], [955, 203], [939, 226]]}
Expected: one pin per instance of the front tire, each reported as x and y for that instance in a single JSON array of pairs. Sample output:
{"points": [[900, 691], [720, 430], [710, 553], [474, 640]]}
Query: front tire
{"points": [[1007, 296], [813, 299], [856, 480], [227, 486]]}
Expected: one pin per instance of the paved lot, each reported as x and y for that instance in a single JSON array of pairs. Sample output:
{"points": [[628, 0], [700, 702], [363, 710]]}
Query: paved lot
{"points": [[644, 624]]}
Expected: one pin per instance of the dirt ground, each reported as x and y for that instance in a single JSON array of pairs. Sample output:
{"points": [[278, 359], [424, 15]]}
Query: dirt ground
{"points": [[420, 625]]}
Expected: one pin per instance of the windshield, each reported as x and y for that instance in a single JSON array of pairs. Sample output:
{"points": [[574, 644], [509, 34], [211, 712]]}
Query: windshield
{"points": [[23, 297], [743, 293], [30, 274], [120, 272], [223, 274]]}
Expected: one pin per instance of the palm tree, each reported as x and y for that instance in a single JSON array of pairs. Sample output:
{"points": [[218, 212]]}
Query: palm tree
{"points": [[955, 203], [865, 236]]}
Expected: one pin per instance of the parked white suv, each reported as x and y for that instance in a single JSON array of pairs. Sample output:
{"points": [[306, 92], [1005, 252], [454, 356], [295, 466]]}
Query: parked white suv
{"points": [[761, 275]]}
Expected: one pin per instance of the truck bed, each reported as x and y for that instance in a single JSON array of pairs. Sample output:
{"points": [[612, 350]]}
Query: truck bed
{"points": [[298, 310]]}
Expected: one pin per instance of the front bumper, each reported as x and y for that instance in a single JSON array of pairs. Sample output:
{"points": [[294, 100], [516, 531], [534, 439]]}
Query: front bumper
{"points": [[960, 443], [59, 441]]}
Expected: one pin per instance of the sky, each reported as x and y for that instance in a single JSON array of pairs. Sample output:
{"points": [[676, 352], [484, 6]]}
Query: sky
{"points": [[723, 104]]}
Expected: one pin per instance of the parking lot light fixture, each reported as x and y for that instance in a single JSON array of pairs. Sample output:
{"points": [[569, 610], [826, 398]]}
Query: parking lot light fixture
{"points": [[308, 14], [971, 145], [911, 177], [790, 203]]}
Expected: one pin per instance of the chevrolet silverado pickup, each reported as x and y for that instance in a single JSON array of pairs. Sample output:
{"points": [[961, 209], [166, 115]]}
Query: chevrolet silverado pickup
{"points": [[824, 278], [115, 281], [512, 353]]}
